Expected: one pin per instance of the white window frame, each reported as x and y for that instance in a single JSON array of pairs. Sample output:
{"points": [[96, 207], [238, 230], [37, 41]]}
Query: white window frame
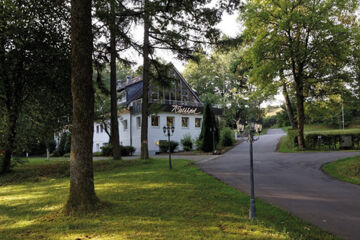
{"points": [[195, 122], [188, 120], [125, 124], [138, 122], [167, 120], [158, 117]]}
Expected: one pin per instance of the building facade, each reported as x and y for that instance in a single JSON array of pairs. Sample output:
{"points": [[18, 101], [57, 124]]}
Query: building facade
{"points": [[177, 106]]}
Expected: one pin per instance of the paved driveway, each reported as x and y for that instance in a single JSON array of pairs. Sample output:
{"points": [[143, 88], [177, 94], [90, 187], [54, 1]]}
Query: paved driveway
{"points": [[293, 181]]}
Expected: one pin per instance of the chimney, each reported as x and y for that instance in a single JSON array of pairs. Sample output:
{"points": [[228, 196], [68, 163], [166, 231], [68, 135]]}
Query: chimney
{"points": [[128, 79]]}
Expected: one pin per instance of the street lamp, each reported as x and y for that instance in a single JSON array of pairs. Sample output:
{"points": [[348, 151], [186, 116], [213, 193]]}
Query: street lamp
{"points": [[169, 131], [213, 129], [255, 127]]}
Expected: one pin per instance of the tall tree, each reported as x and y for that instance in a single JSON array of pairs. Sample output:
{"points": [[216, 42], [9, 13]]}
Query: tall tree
{"points": [[34, 66], [115, 141], [307, 39], [111, 33], [178, 26], [82, 193]]}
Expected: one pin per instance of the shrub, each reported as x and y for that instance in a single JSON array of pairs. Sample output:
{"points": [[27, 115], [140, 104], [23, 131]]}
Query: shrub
{"points": [[270, 121], [198, 143], [67, 155], [164, 146], [227, 137], [207, 136], [127, 150], [106, 150], [187, 143]]}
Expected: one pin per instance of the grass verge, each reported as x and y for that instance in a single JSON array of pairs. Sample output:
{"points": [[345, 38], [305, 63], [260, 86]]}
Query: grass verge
{"points": [[347, 169], [146, 201]]}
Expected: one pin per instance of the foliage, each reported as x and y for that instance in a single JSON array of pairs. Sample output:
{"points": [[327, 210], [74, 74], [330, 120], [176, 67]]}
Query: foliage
{"points": [[347, 169], [269, 122], [308, 44], [282, 119], [35, 97], [187, 143], [330, 139], [227, 137], [148, 192], [39, 148], [207, 137], [216, 79], [164, 146], [106, 150]]}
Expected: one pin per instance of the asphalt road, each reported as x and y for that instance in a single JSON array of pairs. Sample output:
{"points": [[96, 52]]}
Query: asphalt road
{"points": [[294, 182]]}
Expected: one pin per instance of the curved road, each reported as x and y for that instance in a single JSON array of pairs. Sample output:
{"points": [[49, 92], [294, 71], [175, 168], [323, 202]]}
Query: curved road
{"points": [[295, 182]]}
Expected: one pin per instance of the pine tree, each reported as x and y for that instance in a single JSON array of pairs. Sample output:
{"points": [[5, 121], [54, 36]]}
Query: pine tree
{"points": [[207, 138], [82, 192]]}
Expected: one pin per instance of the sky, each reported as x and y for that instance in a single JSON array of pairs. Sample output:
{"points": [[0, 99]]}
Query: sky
{"points": [[228, 26]]}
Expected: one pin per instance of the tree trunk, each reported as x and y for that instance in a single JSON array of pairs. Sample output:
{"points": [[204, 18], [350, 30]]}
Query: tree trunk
{"points": [[288, 106], [299, 86], [82, 193], [145, 94], [47, 154], [113, 94], [12, 112]]}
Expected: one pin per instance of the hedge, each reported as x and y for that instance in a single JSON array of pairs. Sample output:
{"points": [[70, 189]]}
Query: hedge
{"points": [[164, 145], [328, 141], [125, 150]]}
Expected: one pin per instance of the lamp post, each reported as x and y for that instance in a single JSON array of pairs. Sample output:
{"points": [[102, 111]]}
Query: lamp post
{"points": [[213, 129], [255, 127], [169, 131]]}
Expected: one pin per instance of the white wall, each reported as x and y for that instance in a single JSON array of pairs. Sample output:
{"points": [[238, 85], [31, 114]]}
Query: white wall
{"points": [[155, 133]]}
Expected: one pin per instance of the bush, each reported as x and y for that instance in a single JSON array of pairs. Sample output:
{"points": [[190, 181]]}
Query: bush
{"points": [[127, 150], [270, 121], [106, 150], [164, 145], [187, 143], [198, 143], [227, 137], [67, 155]]}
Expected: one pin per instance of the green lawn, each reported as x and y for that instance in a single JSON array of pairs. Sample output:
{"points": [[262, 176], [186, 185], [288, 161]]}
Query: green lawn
{"points": [[347, 169], [144, 200]]}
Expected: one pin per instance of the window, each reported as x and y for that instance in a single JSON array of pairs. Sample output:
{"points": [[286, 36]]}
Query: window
{"points": [[185, 122], [170, 121], [97, 128], [197, 122], [155, 121], [138, 122], [125, 124], [101, 128], [97, 147]]}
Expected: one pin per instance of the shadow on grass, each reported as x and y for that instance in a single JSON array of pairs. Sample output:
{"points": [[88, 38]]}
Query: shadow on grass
{"points": [[146, 201]]}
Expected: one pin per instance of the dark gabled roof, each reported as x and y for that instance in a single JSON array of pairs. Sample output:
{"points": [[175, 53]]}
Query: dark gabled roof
{"points": [[134, 88], [186, 83], [133, 92]]}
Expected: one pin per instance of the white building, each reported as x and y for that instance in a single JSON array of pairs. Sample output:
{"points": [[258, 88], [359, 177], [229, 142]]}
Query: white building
{"points": [[179, 106]]}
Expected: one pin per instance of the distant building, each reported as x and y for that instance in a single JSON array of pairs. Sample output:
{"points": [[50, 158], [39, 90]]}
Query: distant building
{"points": [[180, 107]]}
